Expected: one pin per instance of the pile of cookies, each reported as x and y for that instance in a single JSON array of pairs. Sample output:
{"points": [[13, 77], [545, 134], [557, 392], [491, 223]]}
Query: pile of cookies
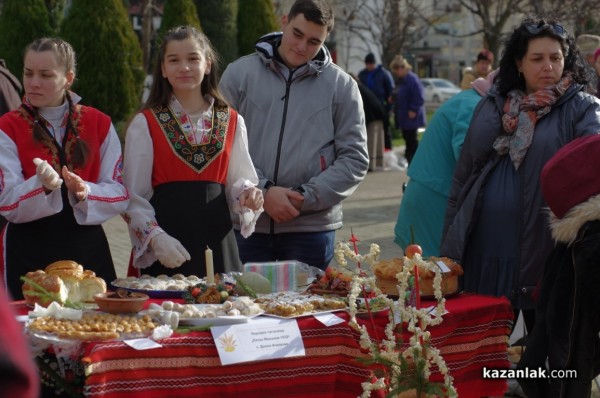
{"points": [[94, 326]]}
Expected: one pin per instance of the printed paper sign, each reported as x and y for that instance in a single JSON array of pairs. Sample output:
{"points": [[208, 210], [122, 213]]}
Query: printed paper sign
{"points": [[443, 267], [328, 319], [257, 340], [142, 344]]}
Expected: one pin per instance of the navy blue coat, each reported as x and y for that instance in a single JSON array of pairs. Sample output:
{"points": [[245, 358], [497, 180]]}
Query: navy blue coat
{"points": [[574, 115], [409, 96], [380, 82]]}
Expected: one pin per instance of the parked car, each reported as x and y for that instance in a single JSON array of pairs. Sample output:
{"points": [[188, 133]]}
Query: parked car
{"points": [[438, 90]]}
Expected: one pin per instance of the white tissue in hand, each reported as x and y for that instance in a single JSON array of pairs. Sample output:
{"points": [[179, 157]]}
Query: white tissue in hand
{"points": [[248, 216], [248, 220]]}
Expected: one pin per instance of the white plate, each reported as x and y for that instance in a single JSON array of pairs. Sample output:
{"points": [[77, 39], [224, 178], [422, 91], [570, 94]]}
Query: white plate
{"points": [[306, 314], [217, 321], [83, 305], [22, 318], [52, 338], [161, 294]]}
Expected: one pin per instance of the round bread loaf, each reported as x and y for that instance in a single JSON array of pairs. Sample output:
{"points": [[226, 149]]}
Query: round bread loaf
{"points": [[71, 273], [90, 286], [386, 270], [65, 269], [69, 280], [454, 269], [52, 283]]}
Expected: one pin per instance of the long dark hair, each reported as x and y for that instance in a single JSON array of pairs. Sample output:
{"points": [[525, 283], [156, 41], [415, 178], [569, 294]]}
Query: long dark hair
{"points": [[516, 46], [161, 90], [65, 57]]}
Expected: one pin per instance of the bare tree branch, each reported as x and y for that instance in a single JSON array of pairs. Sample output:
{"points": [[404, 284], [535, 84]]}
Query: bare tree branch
{"points": [[493, 17], [388, 27], [576, 15]]}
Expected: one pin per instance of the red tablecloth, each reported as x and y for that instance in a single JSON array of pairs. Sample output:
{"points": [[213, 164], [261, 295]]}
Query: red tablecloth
{"points": [[473, 334]]}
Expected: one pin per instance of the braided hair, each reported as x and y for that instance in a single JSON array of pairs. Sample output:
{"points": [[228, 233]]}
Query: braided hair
{"points": [[65, 57]]}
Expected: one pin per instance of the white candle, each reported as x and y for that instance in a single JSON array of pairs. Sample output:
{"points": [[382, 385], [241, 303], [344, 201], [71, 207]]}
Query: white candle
{"points": [[210, 270]]}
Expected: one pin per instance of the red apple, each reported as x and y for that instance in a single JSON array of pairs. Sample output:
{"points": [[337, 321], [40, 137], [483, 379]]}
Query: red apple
{"points": [[413, 249]]}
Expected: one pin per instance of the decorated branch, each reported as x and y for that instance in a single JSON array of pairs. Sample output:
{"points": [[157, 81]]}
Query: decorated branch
{"points": [[399, 366]]}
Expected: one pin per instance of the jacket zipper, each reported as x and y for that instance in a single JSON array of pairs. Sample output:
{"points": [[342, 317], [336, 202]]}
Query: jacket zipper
{"points": [[288, 84]]}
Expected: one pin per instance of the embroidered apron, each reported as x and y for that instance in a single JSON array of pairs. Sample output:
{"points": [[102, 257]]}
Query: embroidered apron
{"points": [[189, 191]]}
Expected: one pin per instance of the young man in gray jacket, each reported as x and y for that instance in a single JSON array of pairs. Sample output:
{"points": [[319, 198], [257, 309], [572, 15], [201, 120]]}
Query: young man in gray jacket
{"points": [[306, 133]]}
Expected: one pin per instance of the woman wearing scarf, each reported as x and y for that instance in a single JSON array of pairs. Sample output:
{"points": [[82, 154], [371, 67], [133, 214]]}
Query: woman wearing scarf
{"points": [[496, 222]]}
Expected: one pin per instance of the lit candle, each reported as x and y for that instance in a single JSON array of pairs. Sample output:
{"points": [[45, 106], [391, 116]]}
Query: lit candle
{"points": [[417, 289], [210, 270]]}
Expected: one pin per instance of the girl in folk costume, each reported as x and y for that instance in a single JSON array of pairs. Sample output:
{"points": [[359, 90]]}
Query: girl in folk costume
{"points": [[186, 165], [60, 174]]}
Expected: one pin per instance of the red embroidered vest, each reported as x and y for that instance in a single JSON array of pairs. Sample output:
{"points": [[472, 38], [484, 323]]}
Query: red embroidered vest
{"points": [[175, 159], [92, 125]]}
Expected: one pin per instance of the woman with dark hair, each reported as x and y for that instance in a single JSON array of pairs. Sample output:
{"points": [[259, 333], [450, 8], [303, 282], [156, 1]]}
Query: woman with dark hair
{"points": [[496, 223], [60, 172], [186, 165]]}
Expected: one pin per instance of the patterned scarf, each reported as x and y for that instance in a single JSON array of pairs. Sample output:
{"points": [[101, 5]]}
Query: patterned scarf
{"points": [[521, 113]]}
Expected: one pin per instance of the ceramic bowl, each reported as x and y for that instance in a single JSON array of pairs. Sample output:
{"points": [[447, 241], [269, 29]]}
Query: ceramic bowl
{"points": [[111, 303]]}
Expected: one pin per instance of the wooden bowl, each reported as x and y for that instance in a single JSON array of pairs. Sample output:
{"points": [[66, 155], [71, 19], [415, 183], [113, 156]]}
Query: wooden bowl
{"points": [[117, 305]]}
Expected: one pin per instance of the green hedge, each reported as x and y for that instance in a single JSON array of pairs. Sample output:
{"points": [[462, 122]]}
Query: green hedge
{"points": [[21, 22], [110, 73]]}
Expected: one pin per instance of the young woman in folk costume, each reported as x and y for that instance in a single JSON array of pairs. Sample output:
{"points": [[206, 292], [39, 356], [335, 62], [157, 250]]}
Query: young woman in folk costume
{"points": [[186, 165], [60, 174]]}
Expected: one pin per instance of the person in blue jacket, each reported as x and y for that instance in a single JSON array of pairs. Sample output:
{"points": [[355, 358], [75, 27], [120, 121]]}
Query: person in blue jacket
{"points": [[409, 104], [381, 82], [424, 202]]}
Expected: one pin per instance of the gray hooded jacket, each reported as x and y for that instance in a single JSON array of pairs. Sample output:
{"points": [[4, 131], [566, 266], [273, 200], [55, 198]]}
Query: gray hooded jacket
{"points": [[306, 129]]}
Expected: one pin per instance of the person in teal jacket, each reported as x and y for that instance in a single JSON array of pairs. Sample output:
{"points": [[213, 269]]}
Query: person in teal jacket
{"points": [[423, 204]]}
